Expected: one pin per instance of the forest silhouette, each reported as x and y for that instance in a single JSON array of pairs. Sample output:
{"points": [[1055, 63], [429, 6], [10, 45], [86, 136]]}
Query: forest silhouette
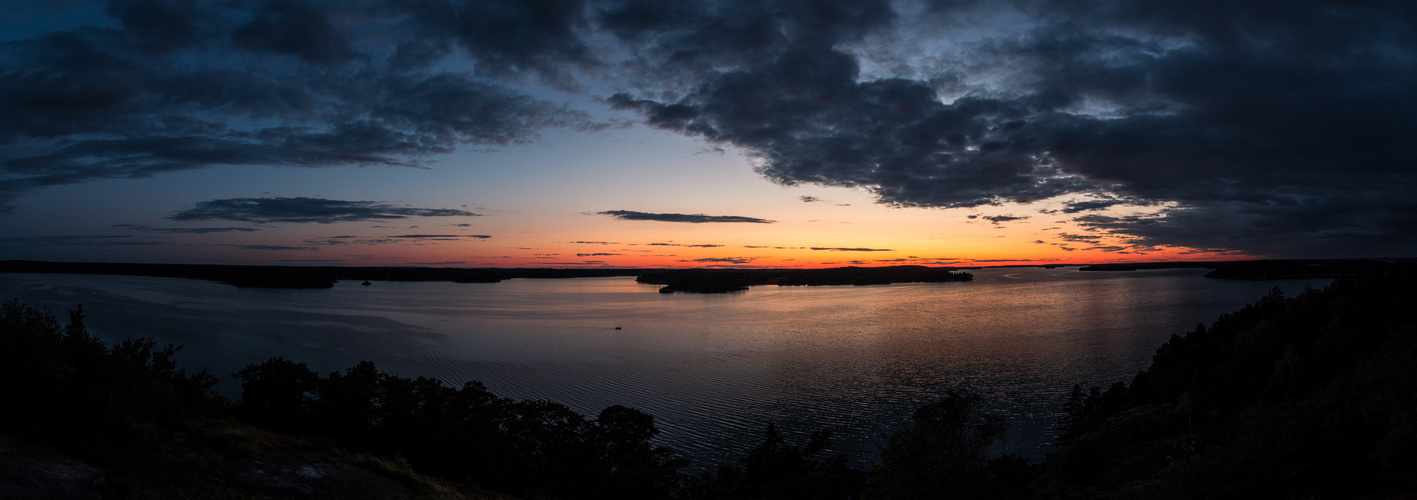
{"points": [[1309, 396]]}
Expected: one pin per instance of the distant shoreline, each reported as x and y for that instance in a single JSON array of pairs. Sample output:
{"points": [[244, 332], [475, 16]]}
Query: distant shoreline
{"points": [[700, 280], [316, 277]]}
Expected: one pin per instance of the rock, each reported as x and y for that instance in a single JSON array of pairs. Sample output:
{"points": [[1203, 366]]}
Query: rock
{"points": [[287, 473], [31, 469]]}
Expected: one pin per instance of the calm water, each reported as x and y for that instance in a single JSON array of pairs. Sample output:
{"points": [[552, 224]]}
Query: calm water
{"points": [[712, 369]]}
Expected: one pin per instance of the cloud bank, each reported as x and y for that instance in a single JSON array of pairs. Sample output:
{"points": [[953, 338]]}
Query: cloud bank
{"points": [[162, 86], [1270, 128], [305, 210], [1258, 126], [689, 218]]}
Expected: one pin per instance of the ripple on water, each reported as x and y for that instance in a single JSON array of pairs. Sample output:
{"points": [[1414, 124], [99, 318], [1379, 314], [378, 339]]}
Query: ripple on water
{"points": [[712, 370]]}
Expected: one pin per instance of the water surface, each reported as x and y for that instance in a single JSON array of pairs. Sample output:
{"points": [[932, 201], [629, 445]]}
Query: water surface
{"points": [[712, 369]]}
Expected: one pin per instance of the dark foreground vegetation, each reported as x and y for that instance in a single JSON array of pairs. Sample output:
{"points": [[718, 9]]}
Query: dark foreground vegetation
{"points": [[1307, 397]]}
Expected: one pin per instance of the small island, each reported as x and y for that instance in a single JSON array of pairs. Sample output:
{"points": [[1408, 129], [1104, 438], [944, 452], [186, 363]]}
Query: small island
{"points": [[737, 280]]}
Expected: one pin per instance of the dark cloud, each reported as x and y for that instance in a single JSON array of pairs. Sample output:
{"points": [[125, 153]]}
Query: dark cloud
{"points": [[703, 245], [844, 249], [293, 28], [289, 83], [268, 247], [1099, 203], [686, 41], [1286, 126], [725, 260], [311, 261], [184, 230], [811, 119], [1109, 248], [596, 254], [1085, 238], [303, 210], [999, 219], [690, 218], [1280, 129], [810, 199], [442, 236], [352, 240], [503, 36], [1280, 229], [74, 241]]}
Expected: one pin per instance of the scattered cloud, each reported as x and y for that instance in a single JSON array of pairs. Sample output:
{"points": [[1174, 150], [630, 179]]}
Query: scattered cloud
{"points": [[724, 260], [75, 241], [857, 249], [267, 247], [442, 236], [305, 210], [690, 218], [1099, 202], [1084, 238], [998, 219], [398, 238], [184, 230], [704, 245], [596, 254], [1276, 131]]}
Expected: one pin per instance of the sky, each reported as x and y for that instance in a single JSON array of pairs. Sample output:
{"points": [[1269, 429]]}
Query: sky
{"points": [[755, 133]]}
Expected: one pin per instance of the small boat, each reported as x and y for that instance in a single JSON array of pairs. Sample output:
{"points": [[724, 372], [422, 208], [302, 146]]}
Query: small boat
{"points": [[366, 283]]}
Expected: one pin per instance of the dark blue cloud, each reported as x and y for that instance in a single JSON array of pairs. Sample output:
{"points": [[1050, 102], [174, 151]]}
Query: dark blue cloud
{"points": [[305, 210], [184, 230], [442, 236], [274, 248], [168, 86], [689, 218], [1276, 129]]}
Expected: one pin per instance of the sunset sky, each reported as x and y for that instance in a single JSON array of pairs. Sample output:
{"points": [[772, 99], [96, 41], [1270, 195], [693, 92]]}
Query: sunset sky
{"points": [[514, 133]]}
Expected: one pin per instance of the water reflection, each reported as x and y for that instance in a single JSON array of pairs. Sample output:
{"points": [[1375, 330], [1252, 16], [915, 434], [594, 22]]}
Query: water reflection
{"points": [[712, 369]]}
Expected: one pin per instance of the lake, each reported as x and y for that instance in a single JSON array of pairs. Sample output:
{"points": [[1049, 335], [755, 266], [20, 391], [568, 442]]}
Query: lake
{"points": [[712, 369]]}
